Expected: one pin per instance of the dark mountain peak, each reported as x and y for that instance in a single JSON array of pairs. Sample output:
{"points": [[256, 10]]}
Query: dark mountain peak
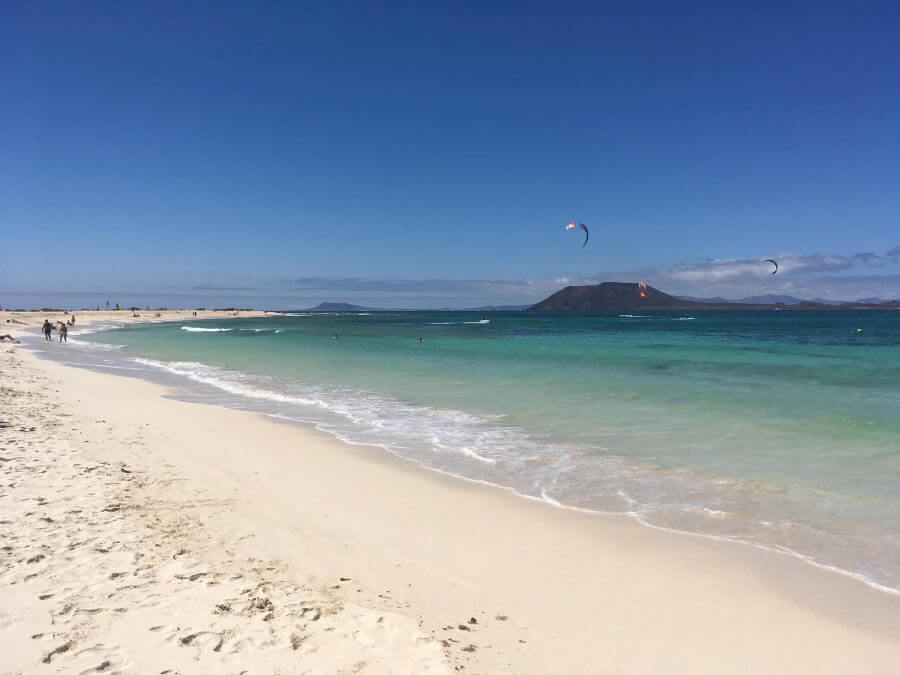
{"points": [[616, 295], [611, 295]]}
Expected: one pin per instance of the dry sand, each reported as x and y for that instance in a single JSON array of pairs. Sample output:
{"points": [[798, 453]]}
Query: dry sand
{"points": [[144, 534], [15, 322]]}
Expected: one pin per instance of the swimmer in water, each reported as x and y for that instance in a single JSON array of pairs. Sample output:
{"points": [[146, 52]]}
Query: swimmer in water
{"points": [[421, 339], [335, 337]]}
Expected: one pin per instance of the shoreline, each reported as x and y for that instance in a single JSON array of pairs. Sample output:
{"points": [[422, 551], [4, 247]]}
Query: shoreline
{"points": [[777, 606], [858, 577]]}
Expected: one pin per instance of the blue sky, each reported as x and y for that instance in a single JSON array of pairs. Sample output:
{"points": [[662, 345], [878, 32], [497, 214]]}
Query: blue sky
{"points": [[375, 151]]}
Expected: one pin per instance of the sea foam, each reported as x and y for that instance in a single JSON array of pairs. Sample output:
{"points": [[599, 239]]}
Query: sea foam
{"points": [[197, 329]]}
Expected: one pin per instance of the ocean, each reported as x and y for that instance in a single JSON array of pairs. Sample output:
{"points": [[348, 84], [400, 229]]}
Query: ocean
{"points": [[774, 429]]}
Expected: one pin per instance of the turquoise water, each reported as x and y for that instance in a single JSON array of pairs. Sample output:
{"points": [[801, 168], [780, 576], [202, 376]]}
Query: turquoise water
{"points": [[778, 429]]}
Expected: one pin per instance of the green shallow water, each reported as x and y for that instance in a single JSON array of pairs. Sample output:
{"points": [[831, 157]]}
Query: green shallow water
{"points": [[773, 428]]}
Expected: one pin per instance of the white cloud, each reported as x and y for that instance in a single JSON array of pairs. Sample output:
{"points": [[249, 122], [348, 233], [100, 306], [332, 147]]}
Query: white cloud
{"points": [[842, 277]]}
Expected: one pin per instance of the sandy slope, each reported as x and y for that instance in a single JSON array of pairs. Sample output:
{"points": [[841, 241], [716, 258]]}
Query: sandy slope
{"points": [[228, 540], [108, 567]]}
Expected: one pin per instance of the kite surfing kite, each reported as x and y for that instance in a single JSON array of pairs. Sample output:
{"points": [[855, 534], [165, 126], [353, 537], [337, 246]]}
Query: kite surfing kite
{"points": [[774, 263], [587, 234], [642, 288]]}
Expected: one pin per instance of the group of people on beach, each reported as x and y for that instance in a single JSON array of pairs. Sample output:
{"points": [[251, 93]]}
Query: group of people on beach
{"points": [[62, 329]]}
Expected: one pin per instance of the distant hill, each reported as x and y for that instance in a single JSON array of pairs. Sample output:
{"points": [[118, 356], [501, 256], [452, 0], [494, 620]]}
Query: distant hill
{"points": [[347, 307], [767, 299], [338, 307], [775, 299], [613, 295], [496, 308], [716, 298], [886, 304], [771, 299]]}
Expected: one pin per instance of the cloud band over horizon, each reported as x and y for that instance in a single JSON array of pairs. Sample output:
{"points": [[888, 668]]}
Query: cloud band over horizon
{"points": [[829, 276], [832, 276]]}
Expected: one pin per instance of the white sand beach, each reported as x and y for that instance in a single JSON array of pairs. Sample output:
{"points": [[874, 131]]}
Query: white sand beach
{"points": [[552, 339], [144, 534], [13, 321]]}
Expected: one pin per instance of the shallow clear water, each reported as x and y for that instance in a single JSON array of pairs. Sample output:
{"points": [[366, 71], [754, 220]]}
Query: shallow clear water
{"points": [[773, 428]]}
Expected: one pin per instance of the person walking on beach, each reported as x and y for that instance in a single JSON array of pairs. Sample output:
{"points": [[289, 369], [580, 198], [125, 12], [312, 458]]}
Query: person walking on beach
{"points": [[63, 332], [47, 328]]}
